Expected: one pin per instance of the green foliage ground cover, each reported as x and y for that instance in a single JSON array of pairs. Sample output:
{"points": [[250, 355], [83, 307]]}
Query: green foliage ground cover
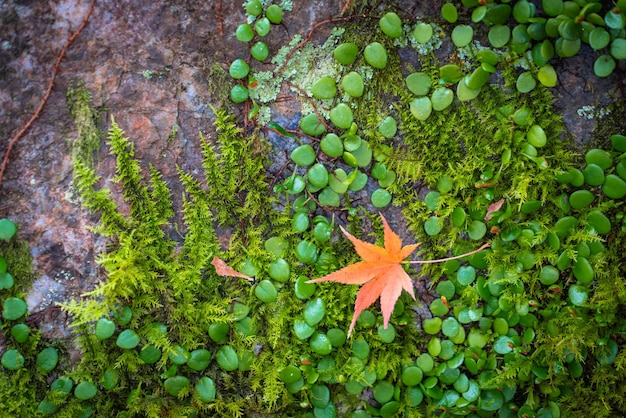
{"points": [[532, 326]]}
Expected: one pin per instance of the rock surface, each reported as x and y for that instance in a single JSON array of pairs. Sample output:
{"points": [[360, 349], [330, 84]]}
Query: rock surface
{"points": [[146, 64]]}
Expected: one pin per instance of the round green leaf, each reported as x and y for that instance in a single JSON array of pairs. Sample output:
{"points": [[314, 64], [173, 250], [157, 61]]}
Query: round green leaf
{"points": [[499, 35], [441, 98], [476, 230], [244, 32], [375, 55], [599, 38], [594, 175], [552, 7], [20, 332], [614, 187], [332, 145], [318, 175], [412, 376], [105, 328], [391, 25], [464, 93], [462, 35], [7, 229], [320, 344], [583, 272], [254, 7], [423, 33], [205, 389], [274, 14], [380, 198], [536, 136], [450, 327], [387, 335], [548, 275], [433, 225], [279, 270], [432, 325], [328, 197], [260, 51], [388, 127], [314, 311], [503, 344], [62, 384], [128, 339], [290, 374], [581, 198], [578, 294], [449, 12], [352, 83], [599, 222], [239, 69], [525, 82], [547, 76], [306, 252], [418, 83], [47, 359], [324, 88], [199, 359], [383, 391], [491, 400], [311, 125], [239, 93], [262, 26], [303, 155], [85, 390], [604, 65], [618, 142], [618, 48], [174, 385], [421, 108], [110, 379], [341, 115], [150, 354], [302, 329], [12, 360], [226, 358], [179, 355], [522, 11], [477, 79], [266, 292], [615, 19], [567, 48], [466, 275], [346, 53], [13, 308]]}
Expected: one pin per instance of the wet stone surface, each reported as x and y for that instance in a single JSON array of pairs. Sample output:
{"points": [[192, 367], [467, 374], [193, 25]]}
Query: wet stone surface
{"points": [[146, 64]]}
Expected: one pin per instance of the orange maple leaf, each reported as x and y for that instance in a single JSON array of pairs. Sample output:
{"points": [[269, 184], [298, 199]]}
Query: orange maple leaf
{"points": [[381, 272]]}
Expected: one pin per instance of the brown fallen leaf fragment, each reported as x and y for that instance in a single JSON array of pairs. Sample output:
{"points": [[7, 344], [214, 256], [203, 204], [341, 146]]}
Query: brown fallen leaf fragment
{"points": [[224, 269]]}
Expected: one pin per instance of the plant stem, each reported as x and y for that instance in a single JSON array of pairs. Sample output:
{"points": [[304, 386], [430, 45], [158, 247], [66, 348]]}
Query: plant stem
{"points": [[482, 247]]}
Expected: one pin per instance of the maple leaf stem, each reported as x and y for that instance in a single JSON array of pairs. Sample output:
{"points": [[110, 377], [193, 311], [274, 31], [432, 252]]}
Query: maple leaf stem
{"points": [[449, 258]]}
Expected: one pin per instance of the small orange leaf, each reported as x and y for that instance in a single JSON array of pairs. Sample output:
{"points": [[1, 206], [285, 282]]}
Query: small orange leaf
{"points": [[224, 269], [380, 273]]}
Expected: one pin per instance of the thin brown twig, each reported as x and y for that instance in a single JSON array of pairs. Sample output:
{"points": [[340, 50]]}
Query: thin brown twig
{"points": [[220, 19], [303, 93], [55, 70]]}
